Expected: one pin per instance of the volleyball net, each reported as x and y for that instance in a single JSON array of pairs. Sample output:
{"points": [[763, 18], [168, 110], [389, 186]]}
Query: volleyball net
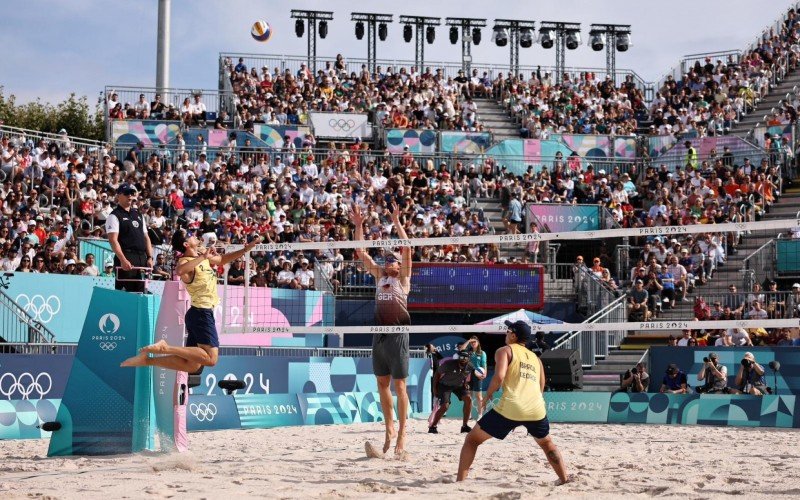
{"points": [[573, 286]]}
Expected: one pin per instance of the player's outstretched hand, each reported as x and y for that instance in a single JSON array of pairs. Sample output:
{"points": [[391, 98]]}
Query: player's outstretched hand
{"points": [[258, 239], [358, 217]]}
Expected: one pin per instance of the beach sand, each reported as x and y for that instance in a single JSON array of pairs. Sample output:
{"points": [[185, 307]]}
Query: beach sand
{"points": [[605, 461]]}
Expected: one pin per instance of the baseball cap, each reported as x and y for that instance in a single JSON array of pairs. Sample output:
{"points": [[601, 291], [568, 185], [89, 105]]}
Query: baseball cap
{"points": [[796, 285], [520, 328], [126, 189]]}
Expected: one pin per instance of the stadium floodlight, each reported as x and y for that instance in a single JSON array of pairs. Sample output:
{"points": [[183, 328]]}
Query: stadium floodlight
{"points": [[476, 36], [317, 24], [618, 38], [525, 38], [623, 42], [573, 40], [430, 34], [408, 33], [500, 36], [597, 41], [470, 32], [546, 38], [422, 29], [375, 26]]}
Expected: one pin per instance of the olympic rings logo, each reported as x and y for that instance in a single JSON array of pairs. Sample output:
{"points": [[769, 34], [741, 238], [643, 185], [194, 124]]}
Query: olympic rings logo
{"points": [[203, 412], [108, 346], [41, 309], [26, 385], [341, 124]]}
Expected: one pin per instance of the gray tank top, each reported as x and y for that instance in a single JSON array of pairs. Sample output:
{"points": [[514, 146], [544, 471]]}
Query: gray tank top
{"points": [[391, 302]]}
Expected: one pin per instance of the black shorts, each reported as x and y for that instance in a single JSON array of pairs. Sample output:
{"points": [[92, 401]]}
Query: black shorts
{"points": [[444, 392], [499, 426], [475, 383], [133, 280], [201, 328], [390, 355]]}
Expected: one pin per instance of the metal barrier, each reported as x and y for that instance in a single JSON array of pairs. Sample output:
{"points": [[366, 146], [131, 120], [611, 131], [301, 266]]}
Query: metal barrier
{"points": [[778, 304], [356, 65], [592, 294], [760, 265], [594, 344], [215, 101], [18, 326]]}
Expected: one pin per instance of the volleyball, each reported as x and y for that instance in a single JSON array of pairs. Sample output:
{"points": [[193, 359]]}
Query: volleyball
{"points": [[480, 373], [261, 31]]}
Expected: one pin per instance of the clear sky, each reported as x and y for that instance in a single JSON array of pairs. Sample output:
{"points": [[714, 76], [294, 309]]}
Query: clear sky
{"points": [[49, 48]]}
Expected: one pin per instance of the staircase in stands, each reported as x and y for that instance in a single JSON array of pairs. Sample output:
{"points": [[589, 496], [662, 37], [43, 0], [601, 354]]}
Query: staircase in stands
{"points": [[773, 100]]}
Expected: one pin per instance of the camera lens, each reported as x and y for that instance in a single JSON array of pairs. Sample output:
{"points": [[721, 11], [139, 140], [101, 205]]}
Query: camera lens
{"points": [[705, 360]]}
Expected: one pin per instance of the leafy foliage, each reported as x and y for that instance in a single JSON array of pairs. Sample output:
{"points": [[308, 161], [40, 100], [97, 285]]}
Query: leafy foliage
{"points": [[73, 114]]}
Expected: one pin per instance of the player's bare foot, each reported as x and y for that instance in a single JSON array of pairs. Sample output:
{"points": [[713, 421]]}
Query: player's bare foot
{"points": [[399, 448], [387, 442], [371, 451], [138, 360], [559, 481], [159, 347]]}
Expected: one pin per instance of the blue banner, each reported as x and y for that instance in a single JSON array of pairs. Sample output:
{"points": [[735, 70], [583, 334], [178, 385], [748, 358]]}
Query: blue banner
{"points": [[211, 413], [690, 360], [33, 377]]}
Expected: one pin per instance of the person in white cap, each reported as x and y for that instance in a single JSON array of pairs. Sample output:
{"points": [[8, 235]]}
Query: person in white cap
{"points": [[304, 275]]}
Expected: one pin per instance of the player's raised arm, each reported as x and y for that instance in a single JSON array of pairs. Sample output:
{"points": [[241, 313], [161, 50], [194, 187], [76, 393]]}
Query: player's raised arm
{"points": [[405, 251], [369, 263]]}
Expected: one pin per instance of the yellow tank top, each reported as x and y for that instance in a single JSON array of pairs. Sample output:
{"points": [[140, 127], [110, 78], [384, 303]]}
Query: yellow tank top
{"points": [[522, 398], [203, 287]]}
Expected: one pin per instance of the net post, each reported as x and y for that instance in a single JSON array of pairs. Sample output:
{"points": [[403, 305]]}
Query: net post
{"points": [[246, 301]]}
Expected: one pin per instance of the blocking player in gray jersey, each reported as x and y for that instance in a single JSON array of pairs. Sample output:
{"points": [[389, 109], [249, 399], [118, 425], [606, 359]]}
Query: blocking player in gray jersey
{"points": [[389, 350]]}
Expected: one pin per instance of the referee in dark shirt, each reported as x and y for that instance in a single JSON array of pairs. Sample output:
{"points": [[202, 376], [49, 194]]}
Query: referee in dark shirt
{"points": [[127, 235]]}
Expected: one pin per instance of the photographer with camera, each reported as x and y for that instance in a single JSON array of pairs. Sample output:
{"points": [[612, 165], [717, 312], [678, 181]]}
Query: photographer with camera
{"points": [[715, 376], [750, 378], [453, 377], [675, 381], [635, 379]]}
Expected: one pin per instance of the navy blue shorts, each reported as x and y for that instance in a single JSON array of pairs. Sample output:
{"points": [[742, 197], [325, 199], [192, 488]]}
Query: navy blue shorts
{"points": [[200, 328], [499, 426]]}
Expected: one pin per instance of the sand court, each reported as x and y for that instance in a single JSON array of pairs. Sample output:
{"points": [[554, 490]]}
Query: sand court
{"points": [[605, 461]]}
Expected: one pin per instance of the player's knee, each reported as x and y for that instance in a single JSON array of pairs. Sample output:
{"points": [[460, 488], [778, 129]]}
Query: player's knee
{"points": [[400, 385], [383, 382]]}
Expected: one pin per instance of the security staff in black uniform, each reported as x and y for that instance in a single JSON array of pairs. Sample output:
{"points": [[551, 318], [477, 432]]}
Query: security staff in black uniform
{"points": [[129, 241]]}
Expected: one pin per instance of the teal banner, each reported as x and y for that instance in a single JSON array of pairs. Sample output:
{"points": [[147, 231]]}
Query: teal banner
{"points": [[106, 409], [577, 406], [278, 410], [57, 301], [22, 418]]}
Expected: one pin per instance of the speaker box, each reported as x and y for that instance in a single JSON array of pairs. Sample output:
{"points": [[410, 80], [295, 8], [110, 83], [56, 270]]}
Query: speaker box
{"points": [[563, 369]]}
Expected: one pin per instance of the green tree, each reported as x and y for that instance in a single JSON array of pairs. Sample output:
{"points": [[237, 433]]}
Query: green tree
{"points": [[73, 114]]}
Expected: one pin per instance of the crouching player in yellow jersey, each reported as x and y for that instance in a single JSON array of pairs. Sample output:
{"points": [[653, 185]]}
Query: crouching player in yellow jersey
{"points": [[521, 375]]}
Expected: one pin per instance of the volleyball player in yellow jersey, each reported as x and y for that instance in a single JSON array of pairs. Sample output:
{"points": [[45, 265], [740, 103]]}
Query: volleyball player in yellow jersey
{"points": [[196, 270], [521, 375]]}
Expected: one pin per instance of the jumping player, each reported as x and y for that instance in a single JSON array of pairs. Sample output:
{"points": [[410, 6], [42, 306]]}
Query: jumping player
{"points": [[521, 374], [196, 270], [389, 350]]}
